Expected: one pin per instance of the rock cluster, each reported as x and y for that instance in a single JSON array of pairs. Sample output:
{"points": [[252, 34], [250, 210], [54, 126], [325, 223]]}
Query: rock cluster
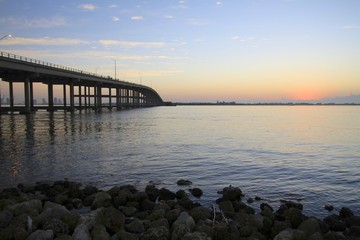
{"points": [[64, 210]]}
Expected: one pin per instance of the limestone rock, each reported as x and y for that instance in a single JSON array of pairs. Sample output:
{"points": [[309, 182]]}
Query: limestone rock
{"points": [[82, 233], [99, 233], [41, 235], [31, 207], [309, 227], [183, 182], [102, 199]]}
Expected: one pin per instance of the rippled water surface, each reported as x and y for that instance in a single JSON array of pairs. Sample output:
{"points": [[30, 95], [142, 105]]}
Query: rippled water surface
{"points": [[305, 153]]}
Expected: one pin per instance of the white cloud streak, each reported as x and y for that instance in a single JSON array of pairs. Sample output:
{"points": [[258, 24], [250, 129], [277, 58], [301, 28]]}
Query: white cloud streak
{"points": [[34, 23], [88, 7], [128, 44], [351, 26], [43, 41], [137, 18]]}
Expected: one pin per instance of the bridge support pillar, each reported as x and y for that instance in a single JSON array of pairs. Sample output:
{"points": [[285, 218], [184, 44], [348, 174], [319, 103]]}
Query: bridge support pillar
{"points": [[110, 104], [72, 100], [11, 95], [85, 97], [80, 97], [27, 96], [50, 97], [118, 98], [64, 96], [98, 98], [31, 95], [127, 98]]}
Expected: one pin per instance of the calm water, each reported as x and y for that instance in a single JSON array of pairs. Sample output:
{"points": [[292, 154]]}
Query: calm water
{"points": [[306, 153]]}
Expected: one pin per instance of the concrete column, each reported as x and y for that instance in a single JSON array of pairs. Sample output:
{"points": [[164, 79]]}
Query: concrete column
{"points": [[64, 96], [80, 103], [118, 98], [72, 100], [11, 96], [127, 98], [98, 98], [50, 97], [27, 96], [110, 105], [31, 96], [85, 97]]}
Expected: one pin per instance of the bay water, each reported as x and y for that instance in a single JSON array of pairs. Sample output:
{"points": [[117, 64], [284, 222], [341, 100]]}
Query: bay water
{"points": [[309, 154]]}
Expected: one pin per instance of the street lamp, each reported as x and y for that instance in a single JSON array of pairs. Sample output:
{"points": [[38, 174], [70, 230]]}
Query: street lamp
{"points": [[115, 67], [6, 36]]}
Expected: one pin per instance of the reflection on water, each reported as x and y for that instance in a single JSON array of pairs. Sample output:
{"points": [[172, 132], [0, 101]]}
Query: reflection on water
{"points": [[306, 153]]}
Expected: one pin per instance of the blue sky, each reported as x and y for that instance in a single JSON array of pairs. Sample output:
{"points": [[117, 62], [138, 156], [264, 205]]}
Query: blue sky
{"points": [[198, 50]]}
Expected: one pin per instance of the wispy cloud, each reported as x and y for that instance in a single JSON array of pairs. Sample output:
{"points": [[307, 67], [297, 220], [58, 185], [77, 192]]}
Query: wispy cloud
{"points": [[197, 22], [242, 39], [128, 44], [43, 41], [169, 17], [137, 18], [34, 23], [219, 3], [351, 26], [113, 6], [87, 7], [115, 19]]}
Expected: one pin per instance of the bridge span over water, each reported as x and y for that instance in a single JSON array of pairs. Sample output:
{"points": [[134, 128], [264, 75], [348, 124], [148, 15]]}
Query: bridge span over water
{"points": [[80, 89]]}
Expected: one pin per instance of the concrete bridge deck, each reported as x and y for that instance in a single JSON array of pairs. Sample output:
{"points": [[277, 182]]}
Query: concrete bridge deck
{"points": [[81, 90]]}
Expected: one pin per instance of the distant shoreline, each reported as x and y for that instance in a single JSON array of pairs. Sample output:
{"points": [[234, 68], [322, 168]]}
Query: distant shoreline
{"points": [[262, 104]]}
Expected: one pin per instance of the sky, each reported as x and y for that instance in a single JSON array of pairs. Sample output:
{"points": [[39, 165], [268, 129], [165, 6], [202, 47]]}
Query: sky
{"points": [[197, 50]]}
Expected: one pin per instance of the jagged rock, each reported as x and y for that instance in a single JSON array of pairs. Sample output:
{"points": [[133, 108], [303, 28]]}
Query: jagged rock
{"points": [[196, 236], [5, 218], [183, 224], [156, 214], [165, 194], [123, 235], [345, 213], [231, 194], [200, 213], [180, 194], [294, 216], [57, 226], [225, 231], [152, 192], [335, 224], [289, 234], [352, 221], [279, 226], [162, 222], [13, 232], [309, 227], [77, 203], [138, 197], [89, 200], [81, 232], [161, 233], [329, 207], [102, 199], [99, 233], [183, 182], [186, 203], [129, 211], [353, 232], [89, 190], [196, 192], [172, 215], [147, 204], [136, 226], [227, 207], [250, 200], [111, 218], [51, 211], [31, 207], [64, 237], [41, 235]]}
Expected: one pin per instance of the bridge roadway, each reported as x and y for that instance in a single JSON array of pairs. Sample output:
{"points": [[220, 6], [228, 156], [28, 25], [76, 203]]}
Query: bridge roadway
{"points": [[82, 89]]}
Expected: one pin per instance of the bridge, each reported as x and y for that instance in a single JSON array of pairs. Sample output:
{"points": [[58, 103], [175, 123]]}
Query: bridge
{"points": [[80, 89]]}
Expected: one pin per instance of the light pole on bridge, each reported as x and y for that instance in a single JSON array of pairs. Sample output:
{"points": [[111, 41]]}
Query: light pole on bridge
{"points": [[6, 36]]}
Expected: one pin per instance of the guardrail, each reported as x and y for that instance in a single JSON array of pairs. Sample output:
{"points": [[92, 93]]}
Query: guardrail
{"points": [[47, 64]]}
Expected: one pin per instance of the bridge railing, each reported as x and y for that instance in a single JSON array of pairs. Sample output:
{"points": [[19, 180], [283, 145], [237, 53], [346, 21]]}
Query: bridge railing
{"points": [[47, 64]]}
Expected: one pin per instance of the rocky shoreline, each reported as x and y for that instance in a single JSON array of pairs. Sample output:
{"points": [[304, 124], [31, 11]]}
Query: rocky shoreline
{"points": [[65, 210]]}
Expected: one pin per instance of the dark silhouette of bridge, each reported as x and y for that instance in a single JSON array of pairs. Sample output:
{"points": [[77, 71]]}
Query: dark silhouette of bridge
{"points": [[81, 90]]}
